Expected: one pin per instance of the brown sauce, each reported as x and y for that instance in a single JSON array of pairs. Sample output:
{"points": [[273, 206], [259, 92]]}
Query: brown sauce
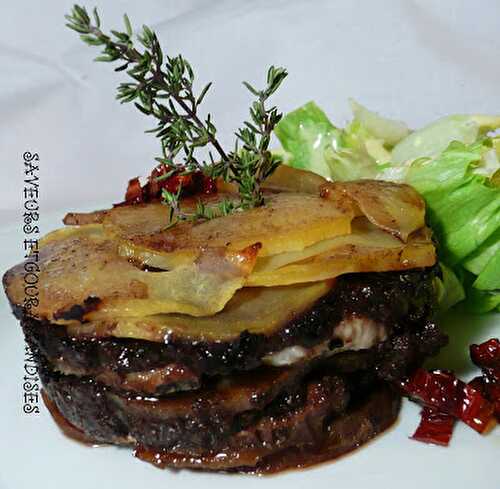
{"points": [[163, 459], [68, 429], [342, 436], [292, 458], [308, 458]]}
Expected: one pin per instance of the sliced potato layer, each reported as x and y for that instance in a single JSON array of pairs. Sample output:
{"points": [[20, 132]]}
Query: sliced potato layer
{"points": [[256, 310], [370, 251], [363, 232], [93, 230], [127, 262], [288, 222], [82, 277], [285, 179], [396, 208]]}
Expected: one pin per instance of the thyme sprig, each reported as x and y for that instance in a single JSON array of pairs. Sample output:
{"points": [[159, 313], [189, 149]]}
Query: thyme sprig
{"points": [[249, 166], [162, 87]]}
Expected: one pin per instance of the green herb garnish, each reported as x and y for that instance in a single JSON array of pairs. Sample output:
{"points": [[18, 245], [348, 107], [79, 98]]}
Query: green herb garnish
{"points": [[162, 87]]}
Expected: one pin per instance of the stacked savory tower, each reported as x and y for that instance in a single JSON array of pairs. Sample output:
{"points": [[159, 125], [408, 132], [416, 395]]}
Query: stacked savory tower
{"points": [[257, 341]]}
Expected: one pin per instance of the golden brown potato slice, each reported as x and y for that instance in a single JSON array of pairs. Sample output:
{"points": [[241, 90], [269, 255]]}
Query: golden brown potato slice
{"points": [[90, 230], [362, 232], [84, 218], [82, 277], [256, 310], [368, 250], [97, 270], [396, 208], [285, 179], [368, 260], [288, 222], [288, 179]]}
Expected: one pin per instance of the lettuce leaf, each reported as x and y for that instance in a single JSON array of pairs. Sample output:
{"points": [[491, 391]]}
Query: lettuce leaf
{"points": [[489, 277], [305, 134], [349, 159], [387, 131], [480, 301], [464, 213], [312, 142], [463, 209], [479, 258], [435, 138], [451, 162], [449, 288]]}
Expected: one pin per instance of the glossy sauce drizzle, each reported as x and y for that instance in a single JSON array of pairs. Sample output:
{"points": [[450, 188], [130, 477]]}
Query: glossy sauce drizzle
{"points": [[343, 435], [68, 429]]}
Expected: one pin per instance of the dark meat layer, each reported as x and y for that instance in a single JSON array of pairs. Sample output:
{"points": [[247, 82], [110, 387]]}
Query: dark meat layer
{"points": [[333, 437], [394, 358], [198, 421], [181, 430], [402, 302]]}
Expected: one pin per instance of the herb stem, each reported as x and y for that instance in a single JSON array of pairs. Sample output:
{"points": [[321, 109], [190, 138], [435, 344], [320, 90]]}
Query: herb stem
{"points": [[162, 87], [200, 124]]}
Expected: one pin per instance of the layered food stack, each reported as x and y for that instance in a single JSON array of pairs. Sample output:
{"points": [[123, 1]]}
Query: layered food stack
{"points": [[259, 340]]}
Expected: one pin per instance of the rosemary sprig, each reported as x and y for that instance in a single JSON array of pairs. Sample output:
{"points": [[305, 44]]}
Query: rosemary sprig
{"points": [[162, 87]]}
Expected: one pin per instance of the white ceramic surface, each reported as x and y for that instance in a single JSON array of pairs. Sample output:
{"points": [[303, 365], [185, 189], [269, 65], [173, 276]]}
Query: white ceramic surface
{"points": [[33, 453], [413, 60]]}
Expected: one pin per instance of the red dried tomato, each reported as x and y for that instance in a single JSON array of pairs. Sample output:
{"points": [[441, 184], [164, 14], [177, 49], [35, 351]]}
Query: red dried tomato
{"points": [[487, 354], [478, 384], [194, 183], [156, 183], [209, 185], [434, 427], [134, 193], [487, 357], [443, 391]]}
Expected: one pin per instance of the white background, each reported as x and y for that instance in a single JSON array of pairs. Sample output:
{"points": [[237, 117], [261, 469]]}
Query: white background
{"points": [[413, 60]]}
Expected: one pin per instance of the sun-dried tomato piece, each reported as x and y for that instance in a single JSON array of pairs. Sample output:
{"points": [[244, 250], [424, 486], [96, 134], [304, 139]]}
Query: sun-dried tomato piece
{"points": [[441, 390], [153, 182], [192, 183], [487, 354], [159, 180], [173, 183], [209, 185], [478, 384], [162, 177], [134, 194], [487, 357], [202, 184], [491, 375], [434, 427], [489, 386], [493, 394]]}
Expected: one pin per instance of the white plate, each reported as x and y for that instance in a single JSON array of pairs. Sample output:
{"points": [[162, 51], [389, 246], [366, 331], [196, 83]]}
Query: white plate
{"points": [[414, 61], [33, 452]]}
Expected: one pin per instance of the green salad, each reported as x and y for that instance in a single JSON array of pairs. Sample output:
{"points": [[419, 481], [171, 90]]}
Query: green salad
{"points": [[453, 162]]}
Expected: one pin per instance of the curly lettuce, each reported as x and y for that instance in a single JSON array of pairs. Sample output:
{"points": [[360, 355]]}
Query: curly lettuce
{"points": [[453, 163], [305, 134], [313, 143]]}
